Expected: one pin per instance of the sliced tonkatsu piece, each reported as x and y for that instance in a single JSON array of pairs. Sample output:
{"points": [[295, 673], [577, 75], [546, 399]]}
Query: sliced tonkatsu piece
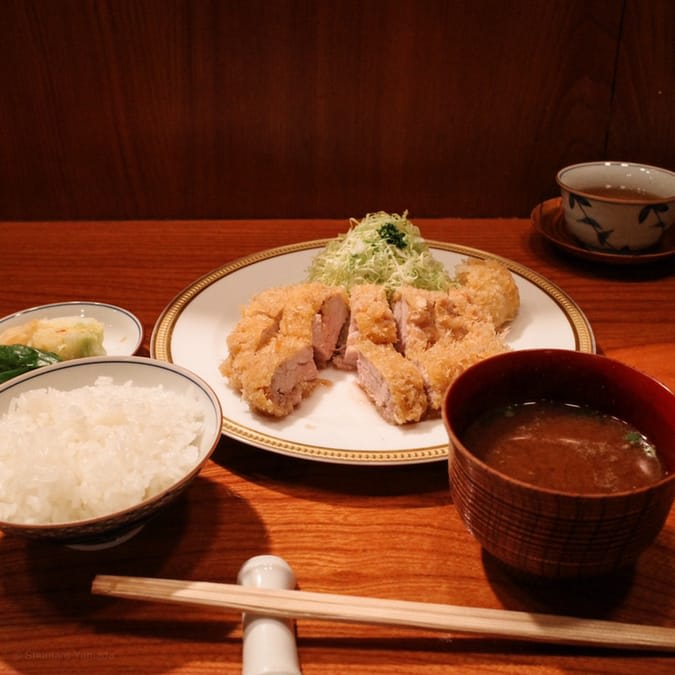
{"points": [[392, 382], [269, 302], [275, 379], [281, 338], [413, 310], [370, 319], [455, 314], [444, 361], [252, 333], [259, 323], [443, 333], [424, 317], [318, 313], [249, 336], [491, 286]]}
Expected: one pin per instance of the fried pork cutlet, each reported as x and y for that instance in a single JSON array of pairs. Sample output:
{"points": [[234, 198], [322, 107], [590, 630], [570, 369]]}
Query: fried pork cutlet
{"points": [[391, 381], [442, 334], [283, 335], [423, 317], [491, 286], [275, 379], [316, 313], [448, 358], [455, 313], [413, 310], [259, 323], [249, 336], [370, 319]]}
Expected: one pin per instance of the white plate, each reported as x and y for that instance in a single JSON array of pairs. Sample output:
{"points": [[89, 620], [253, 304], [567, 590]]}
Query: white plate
{"points": [[336, 423], [122, 331]]}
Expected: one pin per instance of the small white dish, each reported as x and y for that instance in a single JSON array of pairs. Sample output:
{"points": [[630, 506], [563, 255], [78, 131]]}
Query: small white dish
{"points": [[122, 331]]}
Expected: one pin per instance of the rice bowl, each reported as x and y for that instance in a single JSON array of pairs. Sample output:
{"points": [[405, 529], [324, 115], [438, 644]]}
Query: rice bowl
{"points": [[91, 449]]}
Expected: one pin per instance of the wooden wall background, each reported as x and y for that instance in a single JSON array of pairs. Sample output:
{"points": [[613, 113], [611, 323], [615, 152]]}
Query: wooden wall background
{"points": [[119, 109]]}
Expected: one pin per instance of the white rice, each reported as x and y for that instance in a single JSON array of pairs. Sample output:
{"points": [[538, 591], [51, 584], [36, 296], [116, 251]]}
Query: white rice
{"points": [[71, 455]]}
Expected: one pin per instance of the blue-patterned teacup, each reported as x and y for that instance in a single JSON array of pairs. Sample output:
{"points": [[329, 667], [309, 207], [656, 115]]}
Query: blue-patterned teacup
{"points": [[617, 207]]}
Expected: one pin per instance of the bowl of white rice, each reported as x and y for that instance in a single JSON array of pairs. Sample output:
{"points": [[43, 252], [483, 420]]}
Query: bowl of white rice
{"points": [[92, 449]]}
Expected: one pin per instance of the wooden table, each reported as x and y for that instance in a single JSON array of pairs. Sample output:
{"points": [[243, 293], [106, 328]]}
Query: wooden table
{"points": [[381, 531]]}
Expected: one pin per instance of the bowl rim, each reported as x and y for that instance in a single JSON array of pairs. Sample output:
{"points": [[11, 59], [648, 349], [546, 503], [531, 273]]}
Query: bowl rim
{"points": [[112, 516], [457, 443], [615, 200]]}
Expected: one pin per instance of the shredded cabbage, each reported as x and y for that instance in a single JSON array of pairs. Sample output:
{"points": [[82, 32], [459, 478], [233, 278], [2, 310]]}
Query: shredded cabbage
{"points": [[384, 249]]}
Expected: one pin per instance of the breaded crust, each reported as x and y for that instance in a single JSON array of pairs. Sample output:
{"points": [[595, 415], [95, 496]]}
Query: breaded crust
{"points": [[370, 319], [283, 334], [491, 286], [275, 379], [391, 381], [371, 314], [442, 363]]}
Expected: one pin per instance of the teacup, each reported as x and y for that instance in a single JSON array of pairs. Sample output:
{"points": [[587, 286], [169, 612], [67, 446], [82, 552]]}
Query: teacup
{"points": [[620, 207]]}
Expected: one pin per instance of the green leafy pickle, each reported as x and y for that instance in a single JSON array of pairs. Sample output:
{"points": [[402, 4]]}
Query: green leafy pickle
{"points": [[18, 359]]}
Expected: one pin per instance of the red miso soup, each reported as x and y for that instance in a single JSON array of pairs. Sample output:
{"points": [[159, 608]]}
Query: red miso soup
{"points": [[564, 447]]}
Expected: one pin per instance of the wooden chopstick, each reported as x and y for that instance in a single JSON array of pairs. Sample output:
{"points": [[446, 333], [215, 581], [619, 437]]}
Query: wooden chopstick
{"points": [[295, 604]]}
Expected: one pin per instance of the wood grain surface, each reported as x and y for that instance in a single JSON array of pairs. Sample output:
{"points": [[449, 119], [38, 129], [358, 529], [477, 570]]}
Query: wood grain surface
{"points": [[131, 109], [388, 532]]}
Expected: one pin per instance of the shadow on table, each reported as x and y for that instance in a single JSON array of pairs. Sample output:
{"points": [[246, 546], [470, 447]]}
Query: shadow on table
{"points": [[646, 588], [197, 537], [591, 269], [305, 478]]}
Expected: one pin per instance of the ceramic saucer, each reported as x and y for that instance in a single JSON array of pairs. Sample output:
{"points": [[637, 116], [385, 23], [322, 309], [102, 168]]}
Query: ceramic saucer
{"points": [[549, 220]]}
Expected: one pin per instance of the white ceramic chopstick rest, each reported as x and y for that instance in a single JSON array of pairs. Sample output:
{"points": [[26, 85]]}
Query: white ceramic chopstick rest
{"points": [[269, 646]]}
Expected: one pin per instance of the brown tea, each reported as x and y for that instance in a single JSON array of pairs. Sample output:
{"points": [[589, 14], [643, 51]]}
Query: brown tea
{"points": [[617, 192], [565, 448]]}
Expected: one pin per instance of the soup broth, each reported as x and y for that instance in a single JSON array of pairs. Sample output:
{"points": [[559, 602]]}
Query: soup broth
{"points": [[565, 448]]}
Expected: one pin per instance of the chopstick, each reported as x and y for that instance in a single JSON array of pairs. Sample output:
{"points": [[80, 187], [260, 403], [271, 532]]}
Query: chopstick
{"points": [[294, 604]]}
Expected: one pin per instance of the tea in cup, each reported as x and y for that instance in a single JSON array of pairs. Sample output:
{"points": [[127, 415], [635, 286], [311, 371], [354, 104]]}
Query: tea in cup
{"points": [[620, 207]]}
